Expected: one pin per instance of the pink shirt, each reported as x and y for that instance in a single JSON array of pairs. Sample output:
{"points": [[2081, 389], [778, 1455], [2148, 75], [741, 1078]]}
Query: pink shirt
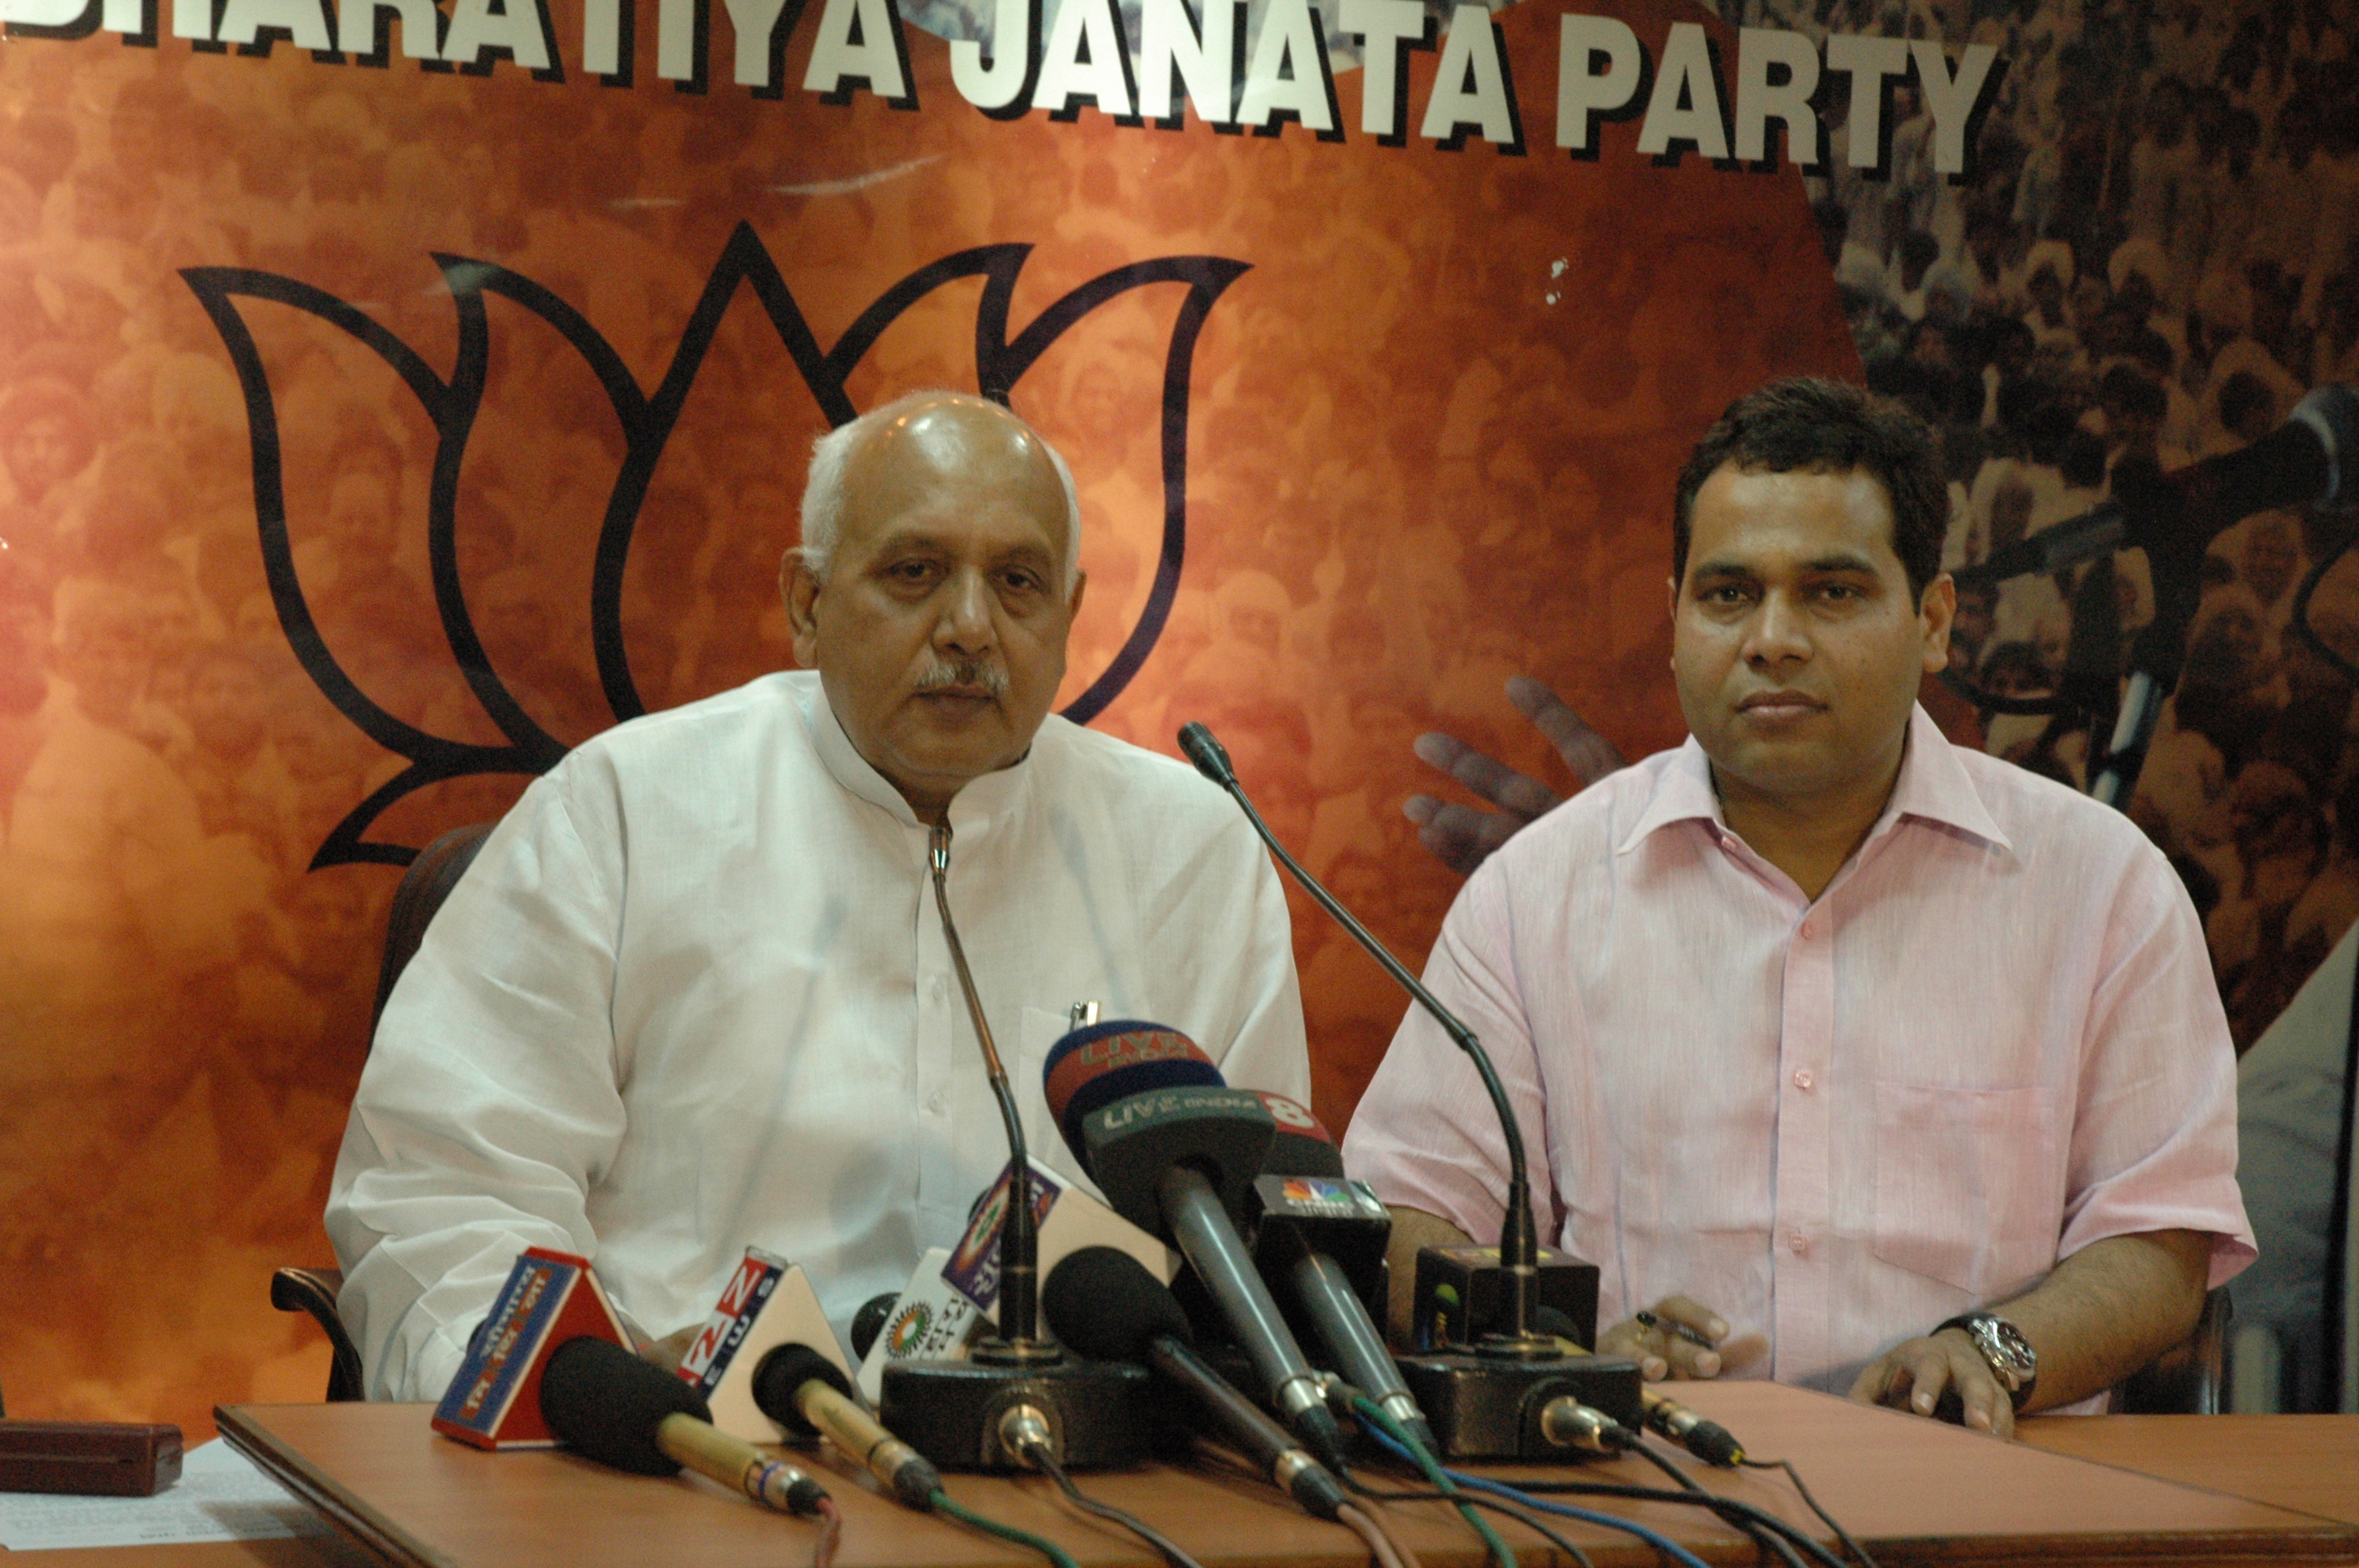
{"points": [[1994, 1040]]}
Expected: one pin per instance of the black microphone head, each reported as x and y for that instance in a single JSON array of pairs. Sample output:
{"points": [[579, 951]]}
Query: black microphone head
{"points": [[605, 1403], [782, 1372], [1212, 759], [1104, 1303], [870, 1321]]}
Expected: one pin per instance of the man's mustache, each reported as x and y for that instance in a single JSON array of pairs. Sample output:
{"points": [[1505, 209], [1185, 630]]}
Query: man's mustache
{"points": [[973, 677]]}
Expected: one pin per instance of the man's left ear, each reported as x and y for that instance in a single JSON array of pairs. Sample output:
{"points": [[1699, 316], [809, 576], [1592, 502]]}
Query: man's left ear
{"points": [[1073, 600], [798, 586], [1935, 611]]}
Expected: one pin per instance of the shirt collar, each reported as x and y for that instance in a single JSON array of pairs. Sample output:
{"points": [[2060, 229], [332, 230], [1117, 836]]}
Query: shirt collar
{"points": [[1933, 785], [973, 809]]}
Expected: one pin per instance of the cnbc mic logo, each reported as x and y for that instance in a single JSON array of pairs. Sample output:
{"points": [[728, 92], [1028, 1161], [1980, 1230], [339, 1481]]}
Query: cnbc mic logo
{"points": [[648, 419]]}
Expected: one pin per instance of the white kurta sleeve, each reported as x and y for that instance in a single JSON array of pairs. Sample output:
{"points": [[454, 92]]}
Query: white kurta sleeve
{"points": [[490, 1104], [1248, 944]]}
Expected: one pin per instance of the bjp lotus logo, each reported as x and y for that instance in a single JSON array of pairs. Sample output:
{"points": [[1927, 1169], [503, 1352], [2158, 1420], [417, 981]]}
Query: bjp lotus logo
{"points": [[647, 418]]}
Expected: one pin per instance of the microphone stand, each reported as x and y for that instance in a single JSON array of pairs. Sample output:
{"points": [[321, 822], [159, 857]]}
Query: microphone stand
{"points": [[1487, 1405], [1019, 1388]]}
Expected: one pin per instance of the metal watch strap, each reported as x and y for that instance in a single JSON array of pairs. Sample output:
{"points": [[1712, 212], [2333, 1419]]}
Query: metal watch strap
{"points": [[1979, 1325]]}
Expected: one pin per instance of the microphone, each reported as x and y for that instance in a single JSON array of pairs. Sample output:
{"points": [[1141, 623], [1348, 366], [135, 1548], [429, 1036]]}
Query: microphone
{"points": [[608, 1405], [1176, 1150], [2309, 461], [1518, 1239], [1017, 1391], [805, 1392], [1486, 1405], [1309, 1212], [1104, 1303]]}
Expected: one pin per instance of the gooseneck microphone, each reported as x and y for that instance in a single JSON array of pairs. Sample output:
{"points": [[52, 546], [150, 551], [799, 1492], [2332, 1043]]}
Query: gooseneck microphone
{"points": [[1175, 1152], [1017, 1393], [1104, 1303], [1516, 1396], [1018, 1341], [1519, 1236], [608, 1405]]}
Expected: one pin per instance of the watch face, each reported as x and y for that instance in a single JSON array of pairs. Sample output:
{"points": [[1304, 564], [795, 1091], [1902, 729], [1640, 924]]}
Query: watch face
{"points": [[2009, 1354]]}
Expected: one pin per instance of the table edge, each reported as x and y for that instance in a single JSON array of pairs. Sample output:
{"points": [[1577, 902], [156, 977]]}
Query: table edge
{"points": [[364, 1525]]}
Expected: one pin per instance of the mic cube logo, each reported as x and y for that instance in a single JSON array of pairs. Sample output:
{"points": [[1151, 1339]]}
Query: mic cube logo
{"points": [[749, 1288]]}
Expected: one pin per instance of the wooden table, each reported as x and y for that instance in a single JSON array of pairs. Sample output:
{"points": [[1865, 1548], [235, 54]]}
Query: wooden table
{"points": [[1917, 1493], [2306, 1462]]}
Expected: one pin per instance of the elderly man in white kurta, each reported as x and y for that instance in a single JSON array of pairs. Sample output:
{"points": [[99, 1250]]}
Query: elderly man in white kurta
{"points": [[694, 995]]}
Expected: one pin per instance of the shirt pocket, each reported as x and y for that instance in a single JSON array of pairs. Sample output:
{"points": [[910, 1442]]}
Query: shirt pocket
{"points": [[1965, 1190]]}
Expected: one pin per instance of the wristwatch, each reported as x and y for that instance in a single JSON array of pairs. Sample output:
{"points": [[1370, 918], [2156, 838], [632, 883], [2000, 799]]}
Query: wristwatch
{"points": [[2010, 1354]]}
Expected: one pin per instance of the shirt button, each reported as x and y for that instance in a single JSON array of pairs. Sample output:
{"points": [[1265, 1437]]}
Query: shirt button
{"points": [[934, 1102], [1799, 1243], [1809, 930], [940, 987], [1802, 1080]]}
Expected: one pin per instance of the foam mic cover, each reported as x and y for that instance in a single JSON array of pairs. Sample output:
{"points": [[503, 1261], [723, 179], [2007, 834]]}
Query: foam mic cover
{"points": [[785, 1370], [605, 1403], [1134, 1100], [1303, 1146], [1090, 1068], [1106, 1305]]}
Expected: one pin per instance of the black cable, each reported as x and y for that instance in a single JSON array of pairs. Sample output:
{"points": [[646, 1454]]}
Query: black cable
{"points": [[1172, 1552], [1476, 1500], [1843, 1535], [1735, 1511], [1767, 1539]]}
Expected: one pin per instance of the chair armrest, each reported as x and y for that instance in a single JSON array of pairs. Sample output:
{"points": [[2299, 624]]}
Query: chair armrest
{"points": [[314, 1290], [2184, 1379]]}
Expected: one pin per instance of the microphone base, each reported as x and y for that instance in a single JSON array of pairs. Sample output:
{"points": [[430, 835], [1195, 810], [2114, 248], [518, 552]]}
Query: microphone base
{"points": [[1461, 1296], [1098, 1412], [1483, 1407]]}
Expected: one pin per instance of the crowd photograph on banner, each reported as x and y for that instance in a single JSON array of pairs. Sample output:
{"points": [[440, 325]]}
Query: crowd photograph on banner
{"points": [[1367, 431]]}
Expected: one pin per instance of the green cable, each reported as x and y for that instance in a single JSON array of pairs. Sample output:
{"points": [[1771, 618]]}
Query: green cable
{"points": [[1376, 1414], [1041, 1544]]}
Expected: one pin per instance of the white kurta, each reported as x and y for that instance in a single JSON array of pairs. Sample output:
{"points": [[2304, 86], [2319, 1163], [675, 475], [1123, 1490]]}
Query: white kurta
{"points": [[693, 995]]}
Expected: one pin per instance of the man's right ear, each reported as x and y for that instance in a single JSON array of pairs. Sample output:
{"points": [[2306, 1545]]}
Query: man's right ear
{"points": [[798, 587]]}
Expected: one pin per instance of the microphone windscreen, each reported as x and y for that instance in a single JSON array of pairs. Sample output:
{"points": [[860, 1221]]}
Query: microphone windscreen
{"points": [[605, 1403], [1104, 1303], [870, 1321], [785, 1370], [1090, 1068], [1303, 1146]]}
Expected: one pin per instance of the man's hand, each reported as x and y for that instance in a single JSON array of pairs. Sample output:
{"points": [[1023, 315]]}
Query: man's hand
{"points": [[1676, 1337], [1461, 836], [1943, 1375]]}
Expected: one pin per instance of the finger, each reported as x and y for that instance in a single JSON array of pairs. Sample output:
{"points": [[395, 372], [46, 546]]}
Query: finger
{"points": [[1590, 755], [1694, 1315], [1928, 1375], [1979, 1393], [1633, 1341], [1690, 1359], [1868, 1387], [1459, 836], [1493, 781]]}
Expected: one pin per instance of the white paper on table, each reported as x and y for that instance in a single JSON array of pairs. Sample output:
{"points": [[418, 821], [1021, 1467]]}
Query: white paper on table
{"points": [[219, 1496]]}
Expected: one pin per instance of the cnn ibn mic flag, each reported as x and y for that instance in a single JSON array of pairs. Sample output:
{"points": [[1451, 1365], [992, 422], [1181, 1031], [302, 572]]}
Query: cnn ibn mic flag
{"points": [[495, 1400]]}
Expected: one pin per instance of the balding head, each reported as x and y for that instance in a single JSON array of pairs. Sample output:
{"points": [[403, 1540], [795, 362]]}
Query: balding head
{"points": [[934, 589], [947, 431]]}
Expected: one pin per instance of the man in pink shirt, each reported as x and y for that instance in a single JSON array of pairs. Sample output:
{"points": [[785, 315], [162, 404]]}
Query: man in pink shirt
{"points": [[1905, 1061]]}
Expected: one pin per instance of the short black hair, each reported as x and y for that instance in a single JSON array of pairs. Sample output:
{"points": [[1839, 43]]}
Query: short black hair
{"points": [[1811, 424]]}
